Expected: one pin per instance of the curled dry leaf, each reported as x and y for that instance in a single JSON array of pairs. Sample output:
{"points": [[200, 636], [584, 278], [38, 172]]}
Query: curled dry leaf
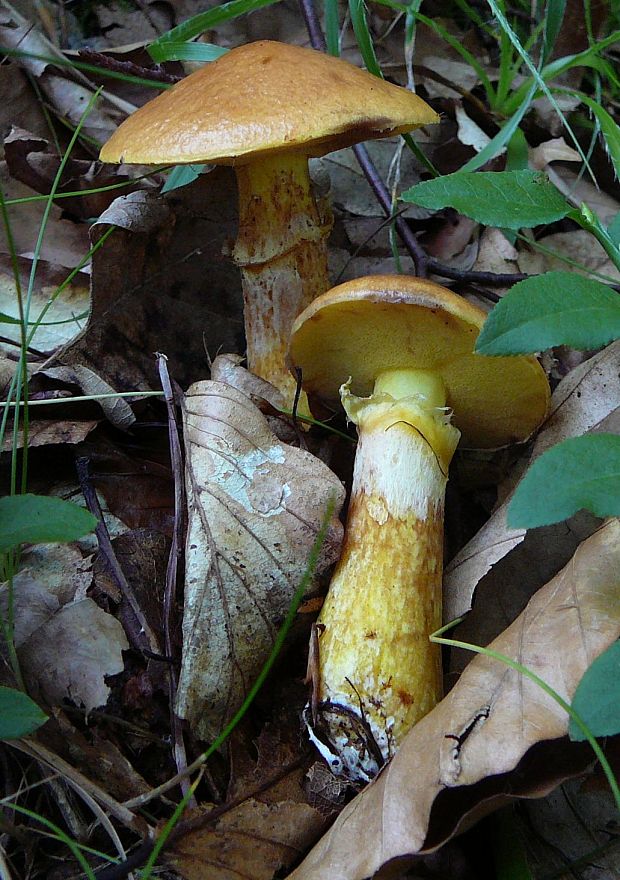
{"points": [[586, 397], [66, 646], [255, 508], [484, 727]]}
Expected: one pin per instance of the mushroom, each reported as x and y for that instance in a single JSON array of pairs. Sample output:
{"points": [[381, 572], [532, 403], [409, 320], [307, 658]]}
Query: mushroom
{"points": [[264, 108], [400, 351]]}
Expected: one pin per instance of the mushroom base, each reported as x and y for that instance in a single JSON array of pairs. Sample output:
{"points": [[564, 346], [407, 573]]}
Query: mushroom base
{"points": [[378, 672]]}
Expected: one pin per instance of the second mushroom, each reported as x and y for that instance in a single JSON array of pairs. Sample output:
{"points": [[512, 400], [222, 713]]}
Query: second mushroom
{"points": [[399, 351]]}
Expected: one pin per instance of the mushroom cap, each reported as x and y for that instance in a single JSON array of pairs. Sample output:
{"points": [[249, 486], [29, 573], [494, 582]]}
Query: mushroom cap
{"points": [[385, 322], [265, 97]]}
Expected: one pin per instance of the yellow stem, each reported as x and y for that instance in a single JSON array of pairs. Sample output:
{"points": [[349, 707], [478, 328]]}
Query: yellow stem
{"points": [[375, 658], [282, 252]]}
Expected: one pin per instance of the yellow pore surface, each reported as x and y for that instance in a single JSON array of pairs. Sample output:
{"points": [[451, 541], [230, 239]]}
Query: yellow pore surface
{"points": [[371, 325], [262, 97]]}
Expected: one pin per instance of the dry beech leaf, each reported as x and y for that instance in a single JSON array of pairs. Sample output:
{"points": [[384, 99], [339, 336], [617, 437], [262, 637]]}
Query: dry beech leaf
{"points": [[577, 245], [62, 320], [254, 839], [269, 823], [582, 401], [255, 508], [117, 410], [50, 433], [66, 647], [484, 727]]}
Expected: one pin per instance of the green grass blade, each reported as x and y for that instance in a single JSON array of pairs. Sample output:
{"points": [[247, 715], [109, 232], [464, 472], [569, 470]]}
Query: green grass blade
{"points": [[197, 24], [177, 50], [357, 9], [332, 27]]}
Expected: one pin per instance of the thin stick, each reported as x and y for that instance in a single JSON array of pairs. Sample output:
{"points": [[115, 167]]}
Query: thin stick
{"points": [[176, 458], [139, 633]]}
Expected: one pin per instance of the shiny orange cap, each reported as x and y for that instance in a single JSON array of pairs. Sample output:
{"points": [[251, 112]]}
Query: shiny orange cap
{"points": [[261, 98]]}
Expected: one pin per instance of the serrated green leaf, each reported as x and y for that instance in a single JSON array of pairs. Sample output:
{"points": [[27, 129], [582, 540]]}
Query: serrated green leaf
{"points": [[510, 199], [557, 308], [582, 472], [19, 715], [597, 698], [37, 519]]}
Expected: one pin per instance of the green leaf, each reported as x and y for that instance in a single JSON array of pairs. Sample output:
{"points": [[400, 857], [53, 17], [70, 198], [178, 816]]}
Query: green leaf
{"points": [[582, 472], [19, 715], [510, 199], [557, 308], [181, 175], [597, 698], [36, 519]]}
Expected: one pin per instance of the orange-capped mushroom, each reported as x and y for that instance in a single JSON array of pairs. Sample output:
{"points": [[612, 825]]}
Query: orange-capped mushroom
{"points": [[265, 108], [399, 353]]}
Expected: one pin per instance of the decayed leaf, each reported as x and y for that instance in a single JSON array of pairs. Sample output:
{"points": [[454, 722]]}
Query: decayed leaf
{"points": [[48, 433], [117, 409], [255, 507], [485, 726], [572, 823], [70, 93], [64, 318], [255, 839], [581, 402], [66, 644], [64, 244], [269, 824]]}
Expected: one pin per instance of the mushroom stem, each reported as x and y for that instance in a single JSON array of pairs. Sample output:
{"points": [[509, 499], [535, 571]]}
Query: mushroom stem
{"points": [[376, 663], [282, 252]]}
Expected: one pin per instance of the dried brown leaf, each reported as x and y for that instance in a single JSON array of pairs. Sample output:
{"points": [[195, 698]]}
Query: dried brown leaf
{"points": [[66, 647], [255, 839], [62, 321], [49, 433], [64, 244], [577, 245], [255, 508], [482, 730], [582, 400]]}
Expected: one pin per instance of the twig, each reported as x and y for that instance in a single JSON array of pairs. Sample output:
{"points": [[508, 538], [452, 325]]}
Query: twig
{"points": [[176, 458], [365, 162], [495, 279], [99, 59], [139, 633], [81, 784]]}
